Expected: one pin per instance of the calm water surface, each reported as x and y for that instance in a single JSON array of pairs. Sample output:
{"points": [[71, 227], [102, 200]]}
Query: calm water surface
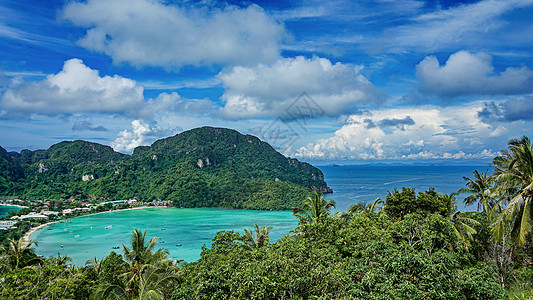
{"points": [[4, 209], [352, 184], [86, 237]]}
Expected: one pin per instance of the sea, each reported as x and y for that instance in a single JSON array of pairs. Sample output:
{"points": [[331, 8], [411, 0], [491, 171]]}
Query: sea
{"points": [[184, 231], [4, 209], [366, 183]]}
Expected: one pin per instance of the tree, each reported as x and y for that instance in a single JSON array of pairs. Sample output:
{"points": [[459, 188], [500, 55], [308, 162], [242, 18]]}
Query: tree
{"points": [[399, 204], [140, 258], [479, 189], [141, 253], [260, 238], [314, 207], [95, 265], [153, 284], [461, 223], [360, 208], [514, 177], [19, 254]]}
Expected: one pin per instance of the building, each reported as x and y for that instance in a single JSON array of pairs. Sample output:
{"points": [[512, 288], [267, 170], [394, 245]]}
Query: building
{"points": [[31, 215], [7, 224]]}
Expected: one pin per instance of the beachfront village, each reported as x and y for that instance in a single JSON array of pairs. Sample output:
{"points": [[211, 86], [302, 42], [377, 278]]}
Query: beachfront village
{"points": [[29, 214]]}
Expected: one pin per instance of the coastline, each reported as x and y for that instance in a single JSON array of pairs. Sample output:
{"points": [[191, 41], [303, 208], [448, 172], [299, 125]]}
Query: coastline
{"points": [[14, 205], [27, 235]]}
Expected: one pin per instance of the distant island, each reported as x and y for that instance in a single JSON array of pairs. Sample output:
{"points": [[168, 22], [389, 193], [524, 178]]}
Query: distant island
{"points": [[202, 167]]}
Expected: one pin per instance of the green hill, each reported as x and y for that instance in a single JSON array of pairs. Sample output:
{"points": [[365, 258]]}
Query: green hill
{"points": [[203, 167]]}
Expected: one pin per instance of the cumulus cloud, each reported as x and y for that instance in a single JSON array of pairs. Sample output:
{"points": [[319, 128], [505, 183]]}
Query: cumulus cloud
{"points": [[269, 90], [425, 132], [141, 134], [156, 33], [507, 111], [79, 89], [76, 88], [87, 126], [467, 73]]}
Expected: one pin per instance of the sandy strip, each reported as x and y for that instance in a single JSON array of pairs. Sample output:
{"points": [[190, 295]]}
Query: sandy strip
{"points": [[27, 235], [16, 205]]}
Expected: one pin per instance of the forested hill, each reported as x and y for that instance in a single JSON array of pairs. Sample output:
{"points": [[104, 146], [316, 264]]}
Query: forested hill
{"points": [[202, 167]]}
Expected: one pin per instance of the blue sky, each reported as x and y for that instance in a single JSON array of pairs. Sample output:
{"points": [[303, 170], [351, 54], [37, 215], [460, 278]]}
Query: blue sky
{"points": [[323, 81]]}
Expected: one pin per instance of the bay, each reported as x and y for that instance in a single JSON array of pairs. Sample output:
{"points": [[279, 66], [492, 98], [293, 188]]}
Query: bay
{"points": [[192, 228], [4, 209], [90, 236]]}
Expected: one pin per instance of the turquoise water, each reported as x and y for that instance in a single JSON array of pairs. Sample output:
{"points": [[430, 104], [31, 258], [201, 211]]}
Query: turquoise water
{"points": [[190, 227], [6, 208], [195, 227]]}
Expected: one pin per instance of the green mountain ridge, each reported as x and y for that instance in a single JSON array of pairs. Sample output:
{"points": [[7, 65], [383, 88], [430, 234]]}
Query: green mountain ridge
{"points": [[202, 167]]}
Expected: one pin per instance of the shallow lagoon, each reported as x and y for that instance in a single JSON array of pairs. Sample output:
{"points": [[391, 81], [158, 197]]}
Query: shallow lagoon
{"points": [[86, 237], [4, 209]]}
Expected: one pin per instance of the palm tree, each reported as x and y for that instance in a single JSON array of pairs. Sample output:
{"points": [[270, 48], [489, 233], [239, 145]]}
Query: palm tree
{"points": [[462, 224], [361, 208], [374, 206], [479, 189], [95, 265], [20, 254], [260, 238], [315, 207], [514, 177], [357, 209], [141, 256], [147, 272], [154, 283], [141, 253]]}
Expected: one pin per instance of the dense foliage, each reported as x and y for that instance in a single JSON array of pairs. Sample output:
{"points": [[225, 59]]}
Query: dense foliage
{"points": [[203, 167], [415, 246], [363, 255]]}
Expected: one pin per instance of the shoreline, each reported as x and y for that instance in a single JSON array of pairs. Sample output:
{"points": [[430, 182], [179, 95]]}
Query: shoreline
{"points": [[27, 235], [14, 205]]}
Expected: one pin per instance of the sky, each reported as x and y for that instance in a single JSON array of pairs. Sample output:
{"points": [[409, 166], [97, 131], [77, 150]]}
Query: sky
{"points": [[345, 82]]}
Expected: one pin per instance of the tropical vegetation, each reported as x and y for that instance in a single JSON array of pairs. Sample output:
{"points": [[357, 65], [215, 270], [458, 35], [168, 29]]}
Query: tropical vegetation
{"points": [[412, 245]]}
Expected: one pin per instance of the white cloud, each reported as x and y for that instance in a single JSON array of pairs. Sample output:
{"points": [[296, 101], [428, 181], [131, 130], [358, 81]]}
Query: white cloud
{"points": [[466, 73], [154, 33], [79, 89], [269, 90], [141, 134], [459, 25], [76, 88], [128, 140], [173, 103], [435, 133]]}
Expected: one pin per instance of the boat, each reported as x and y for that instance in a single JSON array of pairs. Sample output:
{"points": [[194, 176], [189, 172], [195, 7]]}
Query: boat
{"points": [[179, 245], [116, 247], [161, 242]]}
